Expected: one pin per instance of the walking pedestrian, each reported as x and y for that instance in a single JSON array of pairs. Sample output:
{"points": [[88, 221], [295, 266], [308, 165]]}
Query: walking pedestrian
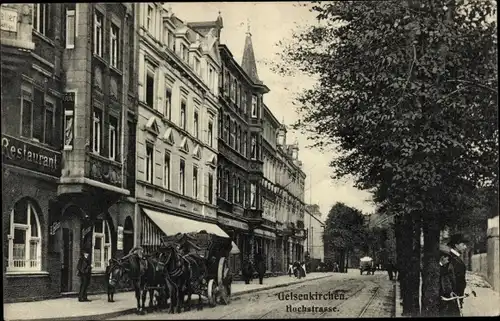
{"points": [[84, 272]]}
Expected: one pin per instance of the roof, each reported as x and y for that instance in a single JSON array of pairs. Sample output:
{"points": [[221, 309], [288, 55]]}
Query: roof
{"points": [[248, 61]]}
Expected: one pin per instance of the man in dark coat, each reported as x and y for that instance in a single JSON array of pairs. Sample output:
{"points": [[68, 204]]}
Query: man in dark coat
{"points": [[452, 276], [84, 272], [260, 265], [111, 287]]}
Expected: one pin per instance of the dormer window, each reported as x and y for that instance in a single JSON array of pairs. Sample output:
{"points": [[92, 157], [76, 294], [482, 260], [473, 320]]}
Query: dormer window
{"points": [[197, 65], [184, 53]]}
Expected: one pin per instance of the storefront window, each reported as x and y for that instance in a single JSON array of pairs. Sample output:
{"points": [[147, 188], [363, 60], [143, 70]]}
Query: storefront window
{"points": [[24, 238], [101, 243]]}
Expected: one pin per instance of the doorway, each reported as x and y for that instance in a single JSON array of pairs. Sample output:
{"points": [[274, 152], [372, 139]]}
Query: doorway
{"points": [[128, 235], [70, 249]]}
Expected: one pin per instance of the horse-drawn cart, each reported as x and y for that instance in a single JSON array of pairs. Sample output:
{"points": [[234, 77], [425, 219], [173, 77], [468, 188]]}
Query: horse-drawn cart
{"points": [[215, 251]]}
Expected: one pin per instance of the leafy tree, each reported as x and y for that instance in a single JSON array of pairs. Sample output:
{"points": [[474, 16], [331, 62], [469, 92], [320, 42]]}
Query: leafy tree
{"points": [[406, 93], [344, 230]]}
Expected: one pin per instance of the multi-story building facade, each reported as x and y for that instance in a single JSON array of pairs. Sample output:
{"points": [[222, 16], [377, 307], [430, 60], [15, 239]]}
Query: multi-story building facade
{"points": [[239, 171], [314, 231], [290, 182], [178, 67], [269, 187], [65, 107]]}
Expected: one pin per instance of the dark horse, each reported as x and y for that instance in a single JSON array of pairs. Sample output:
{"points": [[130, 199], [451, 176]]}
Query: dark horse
{"points": [[143, 271], [186, 274]]}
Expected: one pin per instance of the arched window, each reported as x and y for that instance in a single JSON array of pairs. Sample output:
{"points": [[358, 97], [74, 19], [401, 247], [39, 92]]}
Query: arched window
{"points": [[101, 243], [25, 250]]}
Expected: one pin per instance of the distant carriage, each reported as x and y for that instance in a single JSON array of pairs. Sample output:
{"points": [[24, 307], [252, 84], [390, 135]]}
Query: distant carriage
{"points": [[366, 264]]}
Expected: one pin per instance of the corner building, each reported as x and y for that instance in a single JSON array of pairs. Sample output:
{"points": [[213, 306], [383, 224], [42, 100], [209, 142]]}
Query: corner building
{"points": [[239, 170], [178, 67], [65, 103]]}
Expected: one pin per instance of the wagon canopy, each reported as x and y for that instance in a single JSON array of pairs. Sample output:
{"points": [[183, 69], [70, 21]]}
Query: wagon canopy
{"points": [[366, 259], [172, 225]]}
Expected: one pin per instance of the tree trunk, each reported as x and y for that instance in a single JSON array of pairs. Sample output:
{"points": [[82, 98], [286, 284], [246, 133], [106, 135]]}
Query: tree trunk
{"points": [[408, 256], [430, 273]]}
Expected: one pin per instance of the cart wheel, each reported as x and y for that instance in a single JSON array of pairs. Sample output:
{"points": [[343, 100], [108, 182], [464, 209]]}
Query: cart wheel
{"points": [[212, 293]]}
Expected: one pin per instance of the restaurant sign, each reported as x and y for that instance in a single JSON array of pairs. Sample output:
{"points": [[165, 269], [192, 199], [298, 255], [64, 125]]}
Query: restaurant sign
{"points": [[9, 19], [27, 155]]}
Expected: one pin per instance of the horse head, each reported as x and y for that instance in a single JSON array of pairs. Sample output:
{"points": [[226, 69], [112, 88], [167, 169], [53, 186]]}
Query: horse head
{"points": [[116, 272]]}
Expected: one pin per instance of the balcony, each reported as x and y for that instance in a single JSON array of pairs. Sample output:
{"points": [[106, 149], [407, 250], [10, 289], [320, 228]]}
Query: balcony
{"points": [[300, 224], [255, 166], [224, 205], [254, 216], [105, 170]]}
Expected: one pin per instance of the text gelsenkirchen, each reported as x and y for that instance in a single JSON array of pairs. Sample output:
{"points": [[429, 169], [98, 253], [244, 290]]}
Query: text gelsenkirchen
{"points": [[309, 296]]}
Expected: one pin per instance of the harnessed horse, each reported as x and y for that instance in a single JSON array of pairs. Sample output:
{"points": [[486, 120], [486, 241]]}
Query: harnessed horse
{"points": [[142, 271]]}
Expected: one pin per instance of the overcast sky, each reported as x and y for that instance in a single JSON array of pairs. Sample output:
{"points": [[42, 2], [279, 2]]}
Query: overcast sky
{"points": [[269, 23]]}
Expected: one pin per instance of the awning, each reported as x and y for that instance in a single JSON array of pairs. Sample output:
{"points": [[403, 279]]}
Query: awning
{"points": [[172, 224]]}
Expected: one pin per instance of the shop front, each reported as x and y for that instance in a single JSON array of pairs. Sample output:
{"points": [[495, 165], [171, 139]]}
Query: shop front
{"points": [[29, 191], [238, 230]]}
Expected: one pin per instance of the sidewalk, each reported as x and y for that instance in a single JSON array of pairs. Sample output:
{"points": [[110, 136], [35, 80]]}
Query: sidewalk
{"points": [[70, 309], [487, 302]]}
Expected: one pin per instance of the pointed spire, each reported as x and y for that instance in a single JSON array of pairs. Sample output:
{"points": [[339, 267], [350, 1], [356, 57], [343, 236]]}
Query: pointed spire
{"points": [[248, 62]]}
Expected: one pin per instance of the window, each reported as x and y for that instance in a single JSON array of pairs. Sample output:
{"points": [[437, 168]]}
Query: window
{"points": [[150, 87], [211, 78], [24, 238], [68, 130], [195, 182], [182, 177], [237, 191], [41, 18], [113, 138], [38, 115], [170, 40], [149, 163], [98, 22], [70, 25], [254, 106], [253, 152], [238, 139], [243, 101], [228, 128], [149, 19], [184, 53], [210, 134], [197, 65], [226, 185], [166, 170], [97, 131], [253, 196], [233, 134], [238, 95], [227, 79], [168, 103], [245, 144], [196, 125], [114, 43], [101, 243], [233, 90], [233, 189], [242, 192], [183, 114], [210, 188]]}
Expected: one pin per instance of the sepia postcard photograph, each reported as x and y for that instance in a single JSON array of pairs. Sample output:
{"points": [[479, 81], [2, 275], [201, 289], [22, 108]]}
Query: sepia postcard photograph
{"points": [[249, 160]]}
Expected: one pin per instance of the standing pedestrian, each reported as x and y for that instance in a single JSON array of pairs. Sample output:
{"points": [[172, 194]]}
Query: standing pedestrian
{"points": [[452, 276], [111, 286], [84, 272]]}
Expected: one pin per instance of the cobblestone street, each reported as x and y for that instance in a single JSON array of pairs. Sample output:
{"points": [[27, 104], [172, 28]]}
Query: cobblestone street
{"points": [[357, 296]]}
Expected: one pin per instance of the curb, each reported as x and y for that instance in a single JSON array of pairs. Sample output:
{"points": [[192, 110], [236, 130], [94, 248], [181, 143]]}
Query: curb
{"points": [[115, 314]]}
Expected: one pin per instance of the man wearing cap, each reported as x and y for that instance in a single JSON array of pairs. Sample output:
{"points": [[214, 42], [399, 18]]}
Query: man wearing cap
{"points": [[453, 274], [84, 272]]}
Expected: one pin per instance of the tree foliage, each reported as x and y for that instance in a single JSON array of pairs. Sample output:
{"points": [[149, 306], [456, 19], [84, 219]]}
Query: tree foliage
{"points": [[407, 93], [344, 228]]}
